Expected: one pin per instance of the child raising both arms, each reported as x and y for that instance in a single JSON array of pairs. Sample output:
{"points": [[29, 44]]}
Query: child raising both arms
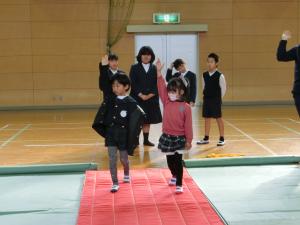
{"points": [[176, 125]]}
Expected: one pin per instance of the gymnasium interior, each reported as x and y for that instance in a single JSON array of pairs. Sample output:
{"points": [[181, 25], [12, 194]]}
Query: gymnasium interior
{"points": [[54, 168]]}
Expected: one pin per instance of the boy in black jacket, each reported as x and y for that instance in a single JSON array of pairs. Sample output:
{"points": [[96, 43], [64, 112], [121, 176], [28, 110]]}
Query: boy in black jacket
{"points": [[189, 76], [112, 122], [291, 55]]}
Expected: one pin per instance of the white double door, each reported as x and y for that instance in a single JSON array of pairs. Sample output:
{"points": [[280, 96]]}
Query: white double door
{"points": [[169, 47]]}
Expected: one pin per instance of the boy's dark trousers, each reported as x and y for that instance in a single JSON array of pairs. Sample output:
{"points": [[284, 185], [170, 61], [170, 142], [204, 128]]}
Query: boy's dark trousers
{"points": [[176, 167], [297, 102]]}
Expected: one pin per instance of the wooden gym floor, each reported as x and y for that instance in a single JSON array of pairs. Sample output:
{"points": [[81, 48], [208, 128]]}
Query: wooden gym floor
{"points": [[65, 136]]}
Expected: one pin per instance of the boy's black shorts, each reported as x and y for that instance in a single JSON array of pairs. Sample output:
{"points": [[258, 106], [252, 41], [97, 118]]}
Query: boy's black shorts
{"points": [[212, 108], [116, 136]]}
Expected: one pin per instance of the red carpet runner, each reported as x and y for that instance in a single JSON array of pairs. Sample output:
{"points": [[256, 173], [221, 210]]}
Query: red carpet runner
{"points": [[148, 200]]}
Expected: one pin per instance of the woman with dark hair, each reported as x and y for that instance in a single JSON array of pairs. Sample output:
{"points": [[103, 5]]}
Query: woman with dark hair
{"points": [[143, 77]]}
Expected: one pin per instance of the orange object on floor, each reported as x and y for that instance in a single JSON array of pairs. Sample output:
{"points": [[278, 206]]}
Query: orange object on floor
{"points": [[147, 200]]}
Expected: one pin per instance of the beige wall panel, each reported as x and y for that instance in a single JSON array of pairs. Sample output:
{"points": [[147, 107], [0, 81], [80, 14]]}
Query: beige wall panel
{"points": [[11, 47], [15, 64], [229, 94], [16, 97], [64, 1], [261, 43], [66, 63], [261, 93], [257, 10], [263, 77], [15, 30], [16, 81], [63, 46], [211, 43], [263, 26], [216, 27], [103, 10], [71, 80], [124, 46], [258, 61], [79, 29], [64, 12], [50, 63], [14, 13], [67, 97], [14, 2]]}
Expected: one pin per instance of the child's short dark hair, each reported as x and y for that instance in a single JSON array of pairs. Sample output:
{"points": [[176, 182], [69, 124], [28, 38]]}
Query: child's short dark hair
{"points": [[121, 78], [112, 57], [145, 50], [177, 84], [214, 56], [177, 63]]}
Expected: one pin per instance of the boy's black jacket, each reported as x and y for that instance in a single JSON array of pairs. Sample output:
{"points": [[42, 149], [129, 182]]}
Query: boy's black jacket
{"points": [[136, 120]]}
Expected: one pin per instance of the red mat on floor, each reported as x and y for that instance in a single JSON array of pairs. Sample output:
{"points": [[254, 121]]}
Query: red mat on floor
{"points": [[147, 200]]}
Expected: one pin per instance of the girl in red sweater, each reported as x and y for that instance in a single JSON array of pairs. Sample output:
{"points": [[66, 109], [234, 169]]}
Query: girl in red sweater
{"points": [[176, 126]]}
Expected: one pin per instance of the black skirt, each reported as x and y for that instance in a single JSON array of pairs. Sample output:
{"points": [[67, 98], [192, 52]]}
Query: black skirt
{"points": [[212, 108], [169, 143], [152, 110]]}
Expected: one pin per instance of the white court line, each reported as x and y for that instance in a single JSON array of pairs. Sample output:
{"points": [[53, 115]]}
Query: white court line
{"points": [[251, 138], [55, 123], [263, 139], [14, 136], [53, 128], [295, 121], [4, 127], [249, 119], [285, 127], [64, 145]]}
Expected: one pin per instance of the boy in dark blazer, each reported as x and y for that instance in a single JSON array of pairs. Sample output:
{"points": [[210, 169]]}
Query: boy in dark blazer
{"points": [[108, 67], [189, 76]]}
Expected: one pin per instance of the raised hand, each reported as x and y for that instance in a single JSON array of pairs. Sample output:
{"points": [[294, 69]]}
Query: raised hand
{"points": [[159, 65], [104, 60], [286, 35]]}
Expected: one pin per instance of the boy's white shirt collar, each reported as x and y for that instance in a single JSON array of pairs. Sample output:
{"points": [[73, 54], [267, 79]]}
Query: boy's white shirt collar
{"points": [[183, 74], [121, 96], [211, 73], [113, 71]]}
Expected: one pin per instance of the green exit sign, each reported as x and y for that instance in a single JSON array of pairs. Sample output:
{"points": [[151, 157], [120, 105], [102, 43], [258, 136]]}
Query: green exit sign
{"points": [[160, 18]]}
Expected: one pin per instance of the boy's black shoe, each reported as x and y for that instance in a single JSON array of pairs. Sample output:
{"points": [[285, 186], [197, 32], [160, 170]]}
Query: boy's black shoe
{"points": [[148, 143]]}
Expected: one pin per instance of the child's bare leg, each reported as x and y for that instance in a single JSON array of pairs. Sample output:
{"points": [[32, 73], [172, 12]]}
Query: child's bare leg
{"points": [[207, 126], [221, 126]]}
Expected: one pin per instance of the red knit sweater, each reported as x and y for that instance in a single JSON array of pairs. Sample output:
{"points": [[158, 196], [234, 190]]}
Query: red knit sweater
{"points": [[177, 116]]}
